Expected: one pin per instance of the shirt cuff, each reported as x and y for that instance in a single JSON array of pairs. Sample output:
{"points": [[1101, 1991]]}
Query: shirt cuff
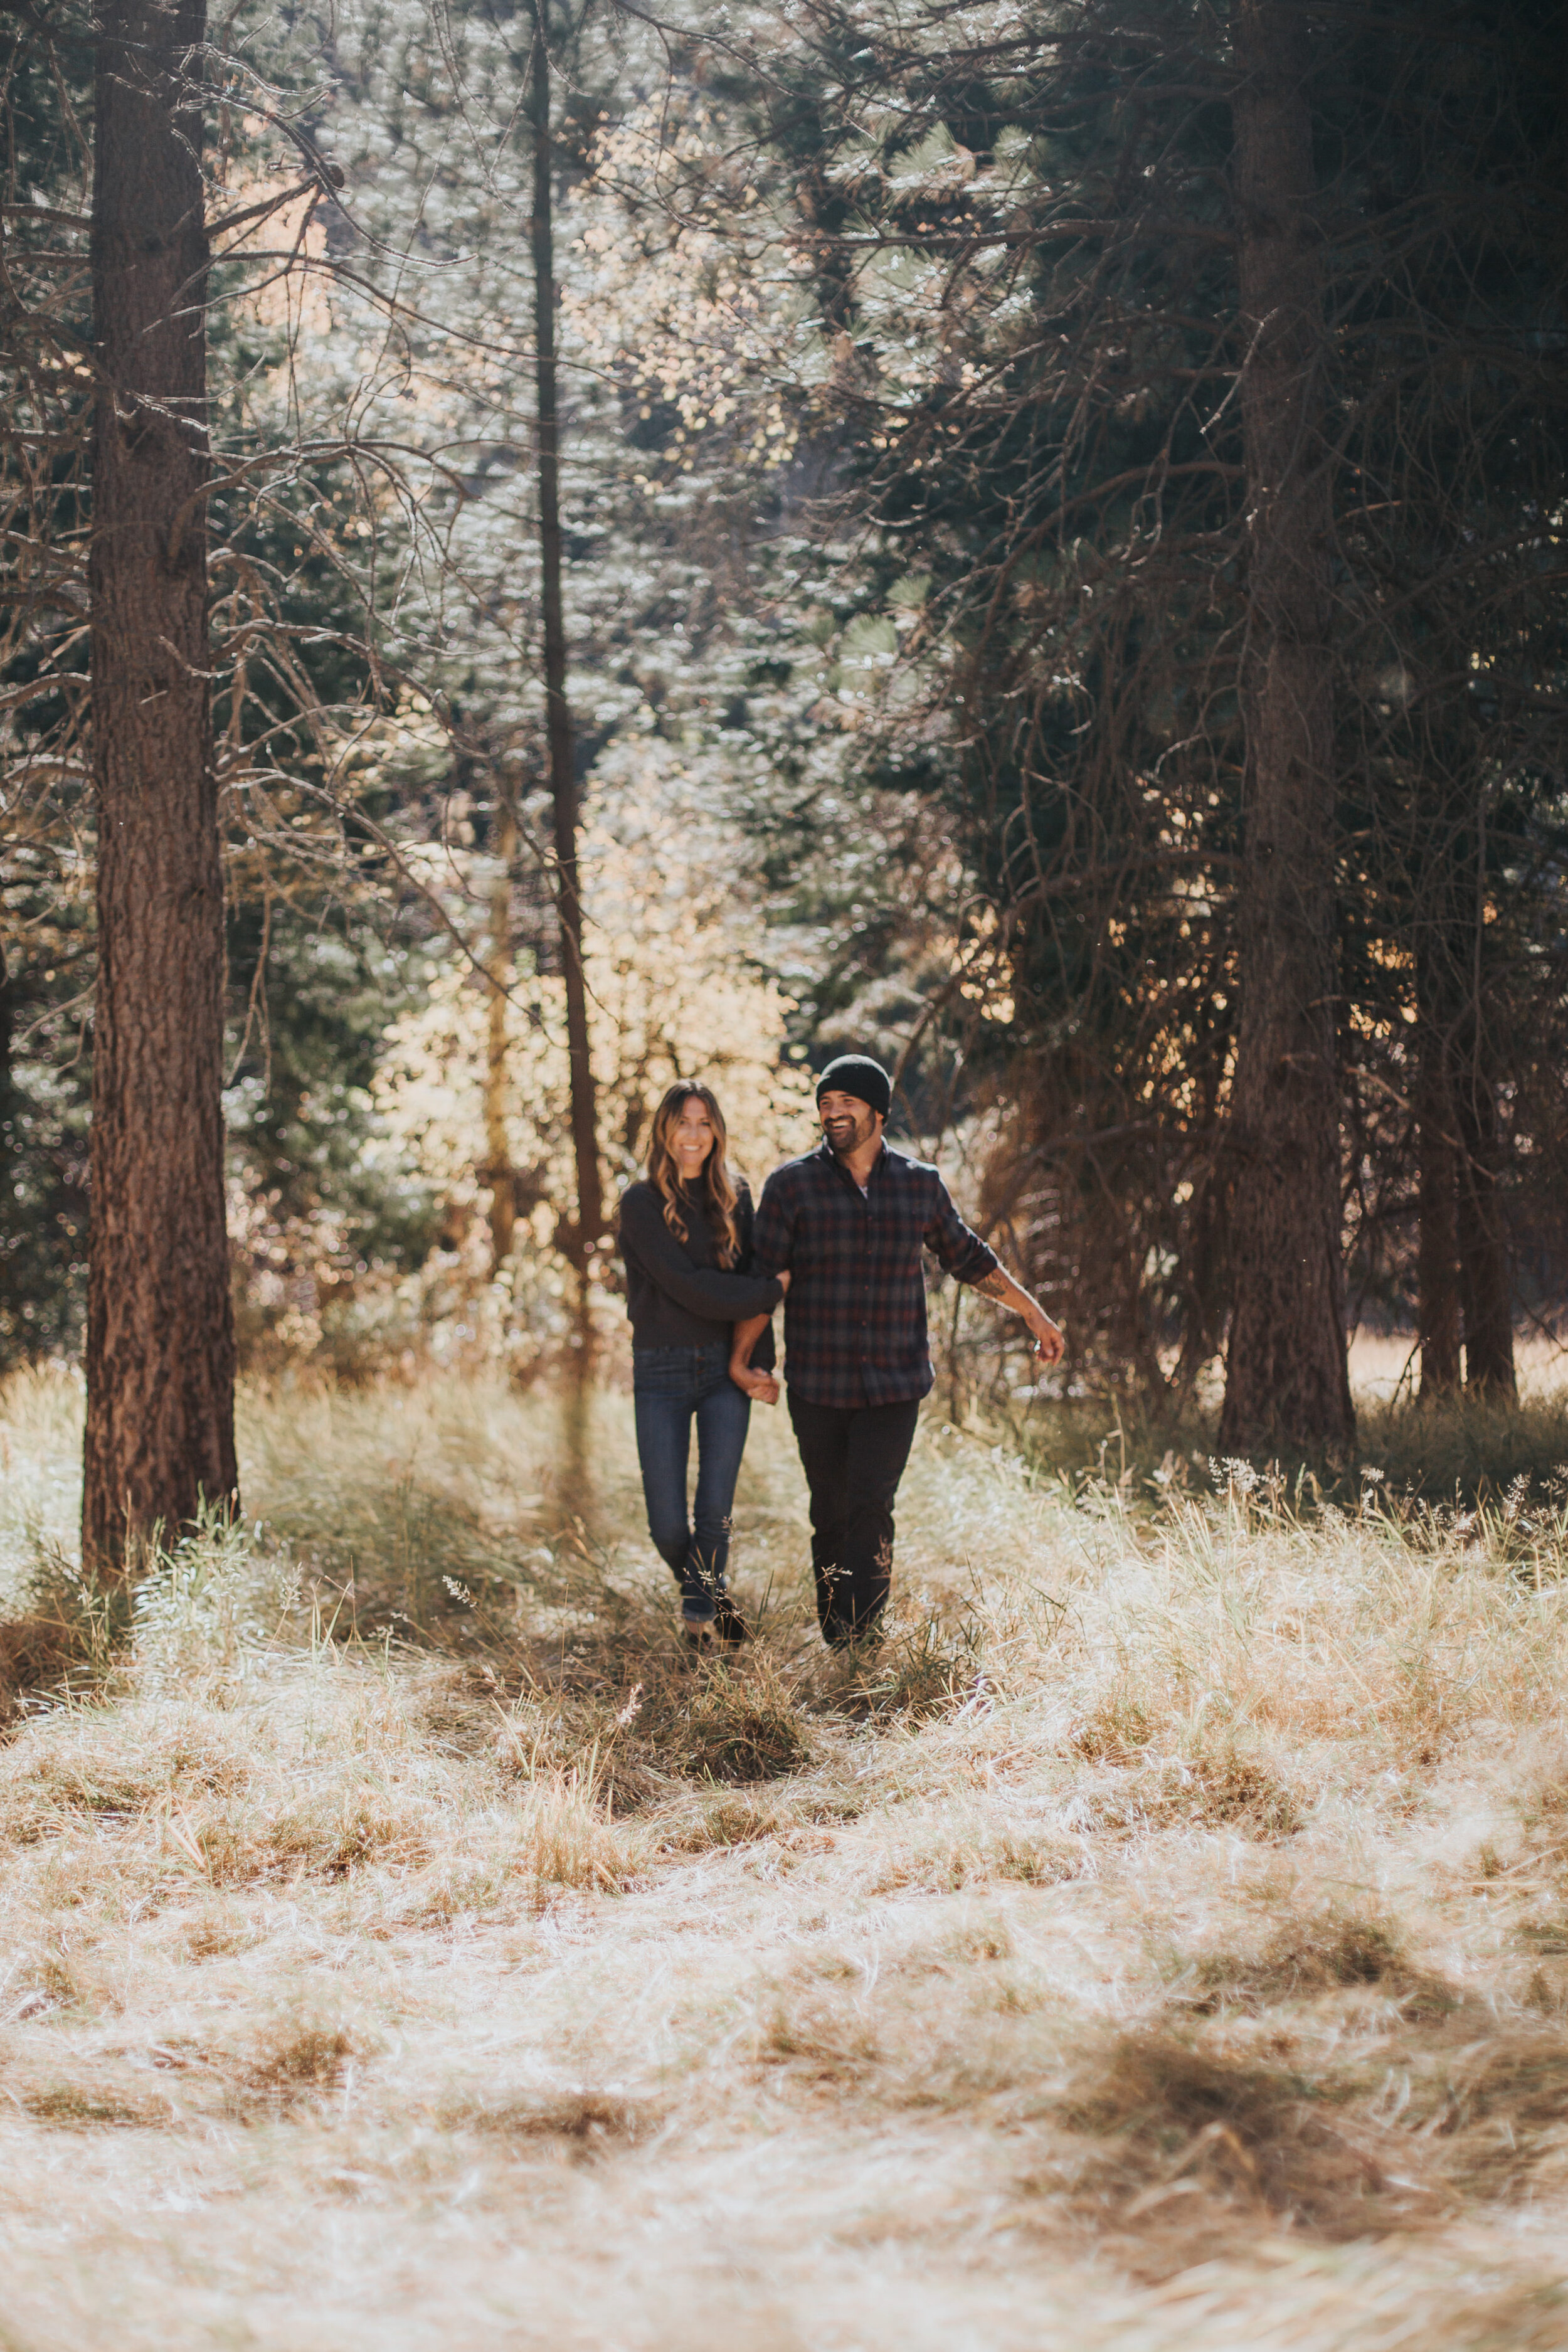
{"points": [[976, 1264]]}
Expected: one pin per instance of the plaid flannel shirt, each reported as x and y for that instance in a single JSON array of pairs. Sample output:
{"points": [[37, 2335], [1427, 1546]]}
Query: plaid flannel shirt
{"points": [[855, 1319]]}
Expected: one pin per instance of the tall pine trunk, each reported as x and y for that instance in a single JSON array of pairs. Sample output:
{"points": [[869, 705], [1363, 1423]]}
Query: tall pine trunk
{"points": [[1464, 1269], [9, 1144], [1287, 1380], [160, 1340], [1438, 1234], [579, 1234], [497, 1171], [1486, 1272]]}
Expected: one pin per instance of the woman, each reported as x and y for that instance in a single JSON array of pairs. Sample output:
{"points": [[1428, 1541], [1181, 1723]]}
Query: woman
{"points": [[686, 1238]]}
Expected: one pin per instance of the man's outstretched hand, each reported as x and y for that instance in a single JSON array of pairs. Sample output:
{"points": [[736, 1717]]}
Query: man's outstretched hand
{"points": [[1050, 1341]]}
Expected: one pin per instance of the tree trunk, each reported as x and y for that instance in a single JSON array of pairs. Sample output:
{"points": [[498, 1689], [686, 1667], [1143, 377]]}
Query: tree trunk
{"points": [[497, 1171], [1287, 1380], [1201, 1259], [577, 1236], [1486, 1273], [159, 1342], [9, 1145], [1437, 1240]]}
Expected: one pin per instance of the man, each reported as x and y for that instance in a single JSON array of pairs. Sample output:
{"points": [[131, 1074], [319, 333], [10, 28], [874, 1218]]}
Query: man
{"points": [[848, 1224]]}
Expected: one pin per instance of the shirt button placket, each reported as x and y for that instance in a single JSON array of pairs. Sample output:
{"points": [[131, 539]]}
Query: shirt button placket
{"points": [[866, 1318]]}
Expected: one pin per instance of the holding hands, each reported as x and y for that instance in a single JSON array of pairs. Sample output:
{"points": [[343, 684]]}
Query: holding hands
{"points": [[763, 1388]]}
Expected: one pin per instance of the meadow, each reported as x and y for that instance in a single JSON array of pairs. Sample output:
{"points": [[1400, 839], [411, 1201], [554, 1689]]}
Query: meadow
{"points": [[1163, 1939]]}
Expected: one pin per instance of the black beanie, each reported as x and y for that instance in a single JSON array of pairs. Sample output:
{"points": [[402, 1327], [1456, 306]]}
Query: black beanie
{"points": [[857, 1074]]}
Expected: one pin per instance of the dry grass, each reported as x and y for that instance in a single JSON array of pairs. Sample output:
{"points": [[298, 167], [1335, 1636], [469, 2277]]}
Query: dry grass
{"points": [[1164, 1939]]}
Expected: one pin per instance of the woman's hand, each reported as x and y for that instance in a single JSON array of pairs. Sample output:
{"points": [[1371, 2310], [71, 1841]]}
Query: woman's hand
{"points": [[761, 1387]]}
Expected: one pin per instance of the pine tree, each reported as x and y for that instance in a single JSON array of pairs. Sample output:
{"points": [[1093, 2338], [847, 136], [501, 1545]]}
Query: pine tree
{"points": [[159, 1342], [1216, 484], [1286, 1377]]}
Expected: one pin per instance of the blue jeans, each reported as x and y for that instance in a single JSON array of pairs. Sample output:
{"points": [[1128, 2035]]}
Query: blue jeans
{"points": [[671, 1387]]}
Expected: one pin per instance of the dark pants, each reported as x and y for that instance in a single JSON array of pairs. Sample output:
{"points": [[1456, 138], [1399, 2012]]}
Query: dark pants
{"points": [[853, 1456], [672, 1388]]}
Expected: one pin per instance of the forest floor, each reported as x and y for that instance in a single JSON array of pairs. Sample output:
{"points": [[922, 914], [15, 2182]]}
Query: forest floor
{"points": [[1163, 1942]]}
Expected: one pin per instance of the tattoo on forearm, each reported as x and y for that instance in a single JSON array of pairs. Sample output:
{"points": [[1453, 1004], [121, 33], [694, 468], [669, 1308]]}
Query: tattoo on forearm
{"points": [[995, 1284]]}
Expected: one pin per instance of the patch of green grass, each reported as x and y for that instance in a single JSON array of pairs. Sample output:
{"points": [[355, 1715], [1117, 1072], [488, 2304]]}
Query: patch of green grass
{"points": [[1468, 1450], [1459, 1452]]}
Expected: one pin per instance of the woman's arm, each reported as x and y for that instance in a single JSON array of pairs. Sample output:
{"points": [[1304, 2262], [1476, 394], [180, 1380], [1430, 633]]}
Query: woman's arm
{"points": [[707, 1291], [765, 1356], [770, 1240], [763, 1388]]}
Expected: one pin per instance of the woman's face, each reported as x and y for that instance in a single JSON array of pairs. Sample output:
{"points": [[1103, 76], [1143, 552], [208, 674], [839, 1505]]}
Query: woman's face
{"points": [[692, 1136]]}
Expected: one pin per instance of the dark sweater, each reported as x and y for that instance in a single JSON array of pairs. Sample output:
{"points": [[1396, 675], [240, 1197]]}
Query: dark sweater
{"points": [[678, 1294]]}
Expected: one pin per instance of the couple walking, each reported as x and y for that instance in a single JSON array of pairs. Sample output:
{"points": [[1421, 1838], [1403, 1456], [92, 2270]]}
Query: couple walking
{"points": [[837, 1235]]}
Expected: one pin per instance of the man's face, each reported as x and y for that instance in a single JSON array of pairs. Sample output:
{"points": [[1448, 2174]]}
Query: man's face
{"points": [[848, 1122]]}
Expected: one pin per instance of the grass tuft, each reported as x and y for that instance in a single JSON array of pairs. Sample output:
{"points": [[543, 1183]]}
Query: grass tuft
{"points": [[71, 2107], [585, 2122], [1236, 2131], [304, 2061], [1332, 1952], [1116, 1730], [745, 1726]]}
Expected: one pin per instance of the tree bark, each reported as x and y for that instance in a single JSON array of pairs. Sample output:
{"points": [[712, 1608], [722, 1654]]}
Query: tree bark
{"points": [[9, 1145], [1286, 1380], [1437, 1238], [9, 1138], [498, 1172], [1464, 1265], [577, 1236], [1485, 1269], [160, 1343]]}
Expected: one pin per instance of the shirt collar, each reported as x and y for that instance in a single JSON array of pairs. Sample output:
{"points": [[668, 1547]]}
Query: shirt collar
{"points": [[826, 1151]]}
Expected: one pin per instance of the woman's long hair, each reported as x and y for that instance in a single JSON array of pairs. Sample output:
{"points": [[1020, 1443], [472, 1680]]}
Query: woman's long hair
{"points": [[718, 1191]]}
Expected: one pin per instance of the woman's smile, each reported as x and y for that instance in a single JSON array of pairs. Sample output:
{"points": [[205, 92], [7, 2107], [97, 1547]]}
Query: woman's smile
{"points": [[692, 1138]]}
